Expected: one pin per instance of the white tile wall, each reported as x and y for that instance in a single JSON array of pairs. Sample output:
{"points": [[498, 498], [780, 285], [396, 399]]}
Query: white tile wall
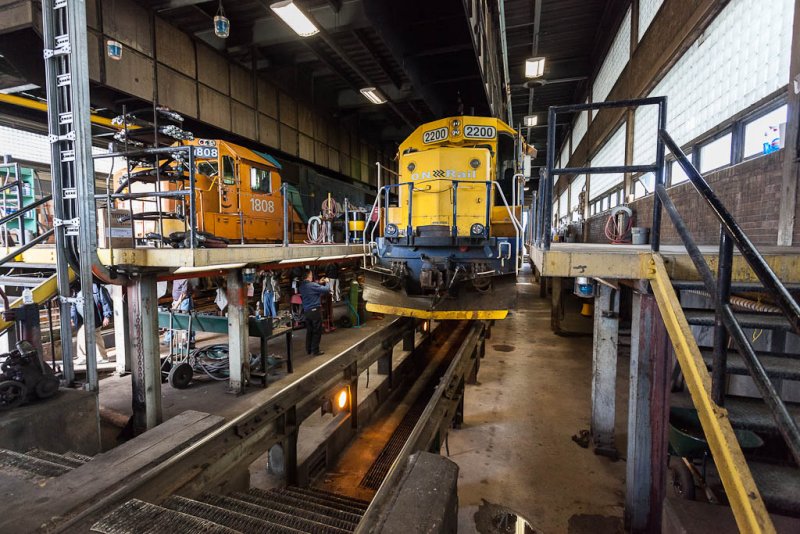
{"points": [[612, 153], [615, 61], [742, 57], [647, 12]]}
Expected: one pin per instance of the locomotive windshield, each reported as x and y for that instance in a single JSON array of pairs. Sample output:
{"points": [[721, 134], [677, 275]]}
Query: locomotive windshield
{"points": [[506, 153]]}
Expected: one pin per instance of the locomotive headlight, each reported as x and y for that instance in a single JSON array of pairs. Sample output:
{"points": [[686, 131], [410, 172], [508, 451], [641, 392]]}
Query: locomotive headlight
{"points": [[411, 166], [455, 133], [477, 229], [456, 123], [474, 163], [391, 230]]}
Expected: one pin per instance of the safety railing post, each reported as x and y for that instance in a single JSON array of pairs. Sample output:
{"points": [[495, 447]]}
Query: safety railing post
{"points": [[720, 362], [655, 231], [454, 228], [21, 218], [409, 230], [346, 222], [488, 223], [284, 191], [551, 153], [192, 201]]}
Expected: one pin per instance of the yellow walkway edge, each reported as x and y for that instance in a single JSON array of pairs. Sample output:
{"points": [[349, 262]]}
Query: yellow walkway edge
{"points": [[748, 507]]}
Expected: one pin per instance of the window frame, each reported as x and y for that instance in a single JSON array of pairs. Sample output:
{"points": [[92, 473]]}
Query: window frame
{"points": [[254, 173]]}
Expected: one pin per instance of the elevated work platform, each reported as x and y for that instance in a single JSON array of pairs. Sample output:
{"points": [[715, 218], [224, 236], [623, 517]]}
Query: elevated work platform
{"points": [[174, 258], [633, 262]]}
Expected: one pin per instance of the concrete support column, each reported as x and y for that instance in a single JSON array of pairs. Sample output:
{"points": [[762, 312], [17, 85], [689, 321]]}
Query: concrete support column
{"points": [[648, 416], [604, 369], [238, 353], [144, 352], [122, 336], [791, 162]]}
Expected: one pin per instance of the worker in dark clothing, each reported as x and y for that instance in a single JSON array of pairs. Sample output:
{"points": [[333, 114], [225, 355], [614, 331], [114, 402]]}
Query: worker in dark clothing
{"points": [[311, 291]]}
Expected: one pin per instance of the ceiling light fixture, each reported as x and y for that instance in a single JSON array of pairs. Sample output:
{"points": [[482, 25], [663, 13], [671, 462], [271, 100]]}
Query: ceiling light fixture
{"points": [[296, 19], [373, 95], [222, 25], [534, 67], [530, 120]]}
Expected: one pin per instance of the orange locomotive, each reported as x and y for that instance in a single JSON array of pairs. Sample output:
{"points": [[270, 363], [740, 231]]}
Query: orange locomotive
{"points": [[238, 195]]}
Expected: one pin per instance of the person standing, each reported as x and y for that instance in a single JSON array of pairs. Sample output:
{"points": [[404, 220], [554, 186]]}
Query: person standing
{"points": [[181, 301], [270, 294], [103, 312], [311, 292]]}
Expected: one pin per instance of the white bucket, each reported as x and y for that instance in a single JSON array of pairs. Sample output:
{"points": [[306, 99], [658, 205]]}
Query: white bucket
{"points": [[640, 235]]}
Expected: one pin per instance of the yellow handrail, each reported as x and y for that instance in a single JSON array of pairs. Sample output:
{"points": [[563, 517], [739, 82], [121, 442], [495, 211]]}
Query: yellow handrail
{"points": [[748, 507]]}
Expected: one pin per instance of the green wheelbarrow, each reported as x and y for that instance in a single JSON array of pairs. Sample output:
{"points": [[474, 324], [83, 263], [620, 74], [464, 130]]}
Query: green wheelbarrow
{"points": [[687, 443]]}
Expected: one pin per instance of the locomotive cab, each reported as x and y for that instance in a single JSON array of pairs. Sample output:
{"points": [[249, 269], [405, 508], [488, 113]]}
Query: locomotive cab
{"points": [[238, 195], [450, 247]]}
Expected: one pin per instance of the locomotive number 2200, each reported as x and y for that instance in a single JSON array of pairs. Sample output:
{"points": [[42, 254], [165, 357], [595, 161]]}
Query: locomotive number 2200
{"points": [[263, 206]]}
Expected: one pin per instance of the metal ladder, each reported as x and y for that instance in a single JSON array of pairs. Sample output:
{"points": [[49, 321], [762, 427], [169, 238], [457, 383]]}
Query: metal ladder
{"points": [[67, 74]]}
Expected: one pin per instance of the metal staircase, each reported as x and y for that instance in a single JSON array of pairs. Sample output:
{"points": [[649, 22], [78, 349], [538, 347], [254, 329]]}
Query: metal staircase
{"points": [[753, 484], [38, 463], [279, 510]]}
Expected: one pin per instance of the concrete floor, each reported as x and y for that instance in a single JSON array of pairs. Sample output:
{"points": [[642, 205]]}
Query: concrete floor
{"points": [[515, 448]]}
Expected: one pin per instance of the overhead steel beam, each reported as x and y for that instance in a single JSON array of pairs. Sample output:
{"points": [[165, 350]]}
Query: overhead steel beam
{"points": [[176, 4], [387, 70]]}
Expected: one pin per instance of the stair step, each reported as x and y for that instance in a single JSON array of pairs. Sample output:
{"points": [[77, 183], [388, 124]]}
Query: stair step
{"points": [[302, 520], [357, 503], [745, 413], [77, 456], [61, 459], [31, 465], [776, 367], [779, 486], [225, 517], [304, 504], [769, 321], [759, 353], [322, 500], [139, 517]]}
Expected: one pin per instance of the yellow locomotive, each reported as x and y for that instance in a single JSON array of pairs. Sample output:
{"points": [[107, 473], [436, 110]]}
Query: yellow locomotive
{"points": [[238, 195], [449, 240]]}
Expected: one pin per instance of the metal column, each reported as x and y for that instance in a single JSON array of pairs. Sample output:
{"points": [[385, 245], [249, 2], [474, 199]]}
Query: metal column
{"points": [[238, 353], [122, 336], [604, 369], [145, 352], [648, 415]]}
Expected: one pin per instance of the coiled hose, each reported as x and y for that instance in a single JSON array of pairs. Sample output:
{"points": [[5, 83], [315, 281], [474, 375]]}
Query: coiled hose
{"points": [[318, 231]]}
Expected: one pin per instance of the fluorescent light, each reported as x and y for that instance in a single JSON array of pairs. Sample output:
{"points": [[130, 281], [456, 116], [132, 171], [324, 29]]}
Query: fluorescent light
{"points": [[530, 120], [534, 67], [373, 95], [296, 19]]}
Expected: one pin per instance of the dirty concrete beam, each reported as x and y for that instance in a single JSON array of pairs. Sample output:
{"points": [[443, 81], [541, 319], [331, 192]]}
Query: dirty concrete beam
{"points": [[648, 415], [145, 353], [604, 369], [238, 354]]}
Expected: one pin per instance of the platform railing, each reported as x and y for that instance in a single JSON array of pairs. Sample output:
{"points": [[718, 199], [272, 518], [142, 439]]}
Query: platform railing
{"points": [[491, 185], [544, 205]]}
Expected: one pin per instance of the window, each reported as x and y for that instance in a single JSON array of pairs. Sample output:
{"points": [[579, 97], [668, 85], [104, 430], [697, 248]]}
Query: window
{"points": [[228, 172], [260, 180], [761, 134], [604, 204], [613, 200], [716, 154], [677, 174], [208, 167]]}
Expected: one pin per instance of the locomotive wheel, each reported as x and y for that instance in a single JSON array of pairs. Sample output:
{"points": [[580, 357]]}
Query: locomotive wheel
{"points": [[12, 394], [47, 387], [180, 376]]}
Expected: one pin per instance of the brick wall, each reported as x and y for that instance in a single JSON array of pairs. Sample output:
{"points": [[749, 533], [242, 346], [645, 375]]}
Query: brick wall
{"points": [[750, 191]]}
